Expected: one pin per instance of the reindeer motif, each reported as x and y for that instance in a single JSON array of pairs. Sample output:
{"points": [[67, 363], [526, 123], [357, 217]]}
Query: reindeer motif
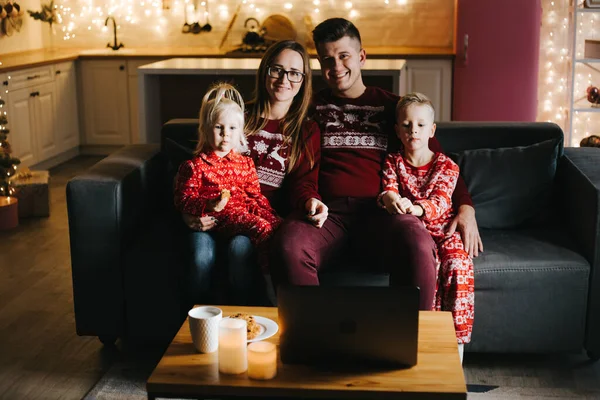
{"points": [[275, 155]]}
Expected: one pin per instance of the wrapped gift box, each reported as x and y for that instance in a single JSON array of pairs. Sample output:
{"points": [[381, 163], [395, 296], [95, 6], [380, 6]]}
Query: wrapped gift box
{"points": [[32, 192]]}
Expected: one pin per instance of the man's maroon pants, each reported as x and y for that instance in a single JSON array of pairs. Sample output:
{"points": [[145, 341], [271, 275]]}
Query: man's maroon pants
{"points": [[397, 244]]}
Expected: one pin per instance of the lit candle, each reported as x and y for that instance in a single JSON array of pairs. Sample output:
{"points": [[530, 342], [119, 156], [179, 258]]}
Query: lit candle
{"points": [[262, 360], [232, 346]]}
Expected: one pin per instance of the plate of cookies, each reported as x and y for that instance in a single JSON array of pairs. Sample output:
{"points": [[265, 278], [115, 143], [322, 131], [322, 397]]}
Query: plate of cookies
{"points": [[259, 328]]}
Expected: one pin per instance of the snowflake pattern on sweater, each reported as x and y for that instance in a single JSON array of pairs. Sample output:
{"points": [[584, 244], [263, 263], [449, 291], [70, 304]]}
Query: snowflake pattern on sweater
{"points": [[247, 212], [431, 186]]}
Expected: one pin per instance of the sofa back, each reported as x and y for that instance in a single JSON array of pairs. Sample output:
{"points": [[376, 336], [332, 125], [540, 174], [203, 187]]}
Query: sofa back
{"points": [[509, 167]]}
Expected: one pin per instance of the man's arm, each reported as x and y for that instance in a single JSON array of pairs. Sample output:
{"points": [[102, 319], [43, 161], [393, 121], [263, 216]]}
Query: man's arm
{"points": [[465, 220]]}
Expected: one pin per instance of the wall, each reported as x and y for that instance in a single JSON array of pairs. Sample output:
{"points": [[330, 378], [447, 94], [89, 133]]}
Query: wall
{"points": [[144, 23], [30, 36]]}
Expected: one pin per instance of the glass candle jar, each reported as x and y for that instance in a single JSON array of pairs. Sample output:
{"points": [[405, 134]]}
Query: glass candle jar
{"points": [[262, 360], [232, 346]]}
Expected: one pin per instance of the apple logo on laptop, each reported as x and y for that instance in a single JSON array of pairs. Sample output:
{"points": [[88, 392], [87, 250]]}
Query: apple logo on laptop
{"points": [[348, 327]]}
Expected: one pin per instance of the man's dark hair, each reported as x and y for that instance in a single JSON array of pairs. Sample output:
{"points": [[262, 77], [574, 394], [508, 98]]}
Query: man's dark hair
{"points": [[333, 29]]}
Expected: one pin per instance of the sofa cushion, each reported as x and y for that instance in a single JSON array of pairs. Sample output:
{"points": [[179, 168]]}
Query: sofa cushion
{"points": [[509, 186], [531, 288]]}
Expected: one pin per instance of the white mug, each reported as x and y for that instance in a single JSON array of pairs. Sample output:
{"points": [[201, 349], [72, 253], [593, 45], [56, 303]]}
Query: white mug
{"points": [[204, 327]]}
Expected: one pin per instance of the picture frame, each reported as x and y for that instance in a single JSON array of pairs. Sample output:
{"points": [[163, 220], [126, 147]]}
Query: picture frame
{"points": [[591, 4]]}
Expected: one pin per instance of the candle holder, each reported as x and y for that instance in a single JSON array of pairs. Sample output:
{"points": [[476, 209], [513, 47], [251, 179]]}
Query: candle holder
{"points": [[262, 360], [233, 358]]}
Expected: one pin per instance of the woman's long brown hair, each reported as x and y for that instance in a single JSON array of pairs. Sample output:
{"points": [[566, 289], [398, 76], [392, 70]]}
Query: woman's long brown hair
{"points": [[259, 107]]}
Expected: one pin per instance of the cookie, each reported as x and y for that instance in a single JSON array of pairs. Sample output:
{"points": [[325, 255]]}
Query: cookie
{"points": [[225, 194], [253, 329]]}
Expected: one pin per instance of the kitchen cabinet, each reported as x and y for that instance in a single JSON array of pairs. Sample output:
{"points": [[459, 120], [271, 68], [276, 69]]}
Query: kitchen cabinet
{"points": [[105, 108], [67, 121], [433, 78], [42, 114]]}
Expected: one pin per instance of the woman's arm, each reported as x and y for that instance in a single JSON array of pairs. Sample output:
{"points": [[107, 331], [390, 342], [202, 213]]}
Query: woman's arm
{"points": [[303, 180]]}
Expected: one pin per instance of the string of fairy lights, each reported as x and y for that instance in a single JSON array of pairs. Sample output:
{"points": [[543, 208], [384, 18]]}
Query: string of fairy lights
{"points": [[556, 44]]}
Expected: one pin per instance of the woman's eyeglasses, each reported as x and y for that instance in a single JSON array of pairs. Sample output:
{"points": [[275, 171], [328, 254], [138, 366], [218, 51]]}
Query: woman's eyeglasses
{"points": [[278, 73]]}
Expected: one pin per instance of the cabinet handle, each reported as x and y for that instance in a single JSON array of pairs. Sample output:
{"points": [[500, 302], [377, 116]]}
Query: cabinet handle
{"points": [[122, 68], [58, 72], [5, 83], [34, 94], [32, 77]]}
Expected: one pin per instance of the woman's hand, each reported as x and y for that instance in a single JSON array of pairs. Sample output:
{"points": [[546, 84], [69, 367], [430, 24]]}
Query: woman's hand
{"points": [[202, 224], [317, 212]]}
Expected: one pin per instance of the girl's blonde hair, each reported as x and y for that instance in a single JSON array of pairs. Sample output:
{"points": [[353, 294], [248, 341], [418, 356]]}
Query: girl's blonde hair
{"points": [[291, 125], [220, 98], [414, 98]]}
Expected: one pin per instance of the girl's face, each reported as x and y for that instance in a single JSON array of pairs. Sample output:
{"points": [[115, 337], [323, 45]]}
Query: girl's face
{"points": [[279, 87], [415, 126], [226, 133]]}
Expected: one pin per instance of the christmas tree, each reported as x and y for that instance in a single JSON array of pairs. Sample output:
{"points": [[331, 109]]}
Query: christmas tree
{"points": [[8, 164]]}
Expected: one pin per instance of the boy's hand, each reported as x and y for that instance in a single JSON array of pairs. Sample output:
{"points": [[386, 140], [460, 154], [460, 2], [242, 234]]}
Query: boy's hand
{"points": [[392, 202], [317, 212]]}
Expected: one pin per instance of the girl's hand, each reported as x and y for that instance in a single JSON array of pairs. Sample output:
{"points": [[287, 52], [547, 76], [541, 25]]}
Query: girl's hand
{"points": [[202, 224], [416, 210], [391, 201], [220, 202]]}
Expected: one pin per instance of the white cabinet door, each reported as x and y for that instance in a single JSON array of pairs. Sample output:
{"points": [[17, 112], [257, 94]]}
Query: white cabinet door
{"points": [[44, 129], [105, 102], [67, 121], [20, 119], [433, 78]]}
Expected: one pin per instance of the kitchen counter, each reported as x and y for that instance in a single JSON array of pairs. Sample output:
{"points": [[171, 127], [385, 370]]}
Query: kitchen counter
{"points": [[157, 82], [34, 58]]}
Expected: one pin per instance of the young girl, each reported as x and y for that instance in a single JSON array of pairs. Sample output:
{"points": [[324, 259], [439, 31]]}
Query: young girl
{"points": [[420, 182], [220, 182]]}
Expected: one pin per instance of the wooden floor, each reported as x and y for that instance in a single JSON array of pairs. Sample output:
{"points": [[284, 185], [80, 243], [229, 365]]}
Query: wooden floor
{"points": [[41, 357]]}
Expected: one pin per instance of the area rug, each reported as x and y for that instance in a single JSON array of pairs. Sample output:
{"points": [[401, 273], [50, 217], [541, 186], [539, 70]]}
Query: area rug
{"points": [[493, 376]]}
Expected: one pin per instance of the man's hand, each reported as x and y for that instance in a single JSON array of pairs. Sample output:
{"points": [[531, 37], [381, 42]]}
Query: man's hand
{"points": [[317, 212], [467, 226], [202, 224]]}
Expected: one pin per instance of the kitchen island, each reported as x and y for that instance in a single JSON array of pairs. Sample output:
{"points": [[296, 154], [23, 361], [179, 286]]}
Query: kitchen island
{"points": [[173, 88]]}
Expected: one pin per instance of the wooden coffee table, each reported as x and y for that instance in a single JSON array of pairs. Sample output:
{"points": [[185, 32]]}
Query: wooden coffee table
{"points": [[183, 373]]}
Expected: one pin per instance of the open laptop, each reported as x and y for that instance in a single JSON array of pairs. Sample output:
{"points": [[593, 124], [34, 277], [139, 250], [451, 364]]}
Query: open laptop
{"points": [[348, 325]]}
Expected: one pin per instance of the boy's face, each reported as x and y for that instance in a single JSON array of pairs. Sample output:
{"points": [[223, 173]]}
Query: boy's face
{"points": [[415, 126], [341, 62], [226, 133]]}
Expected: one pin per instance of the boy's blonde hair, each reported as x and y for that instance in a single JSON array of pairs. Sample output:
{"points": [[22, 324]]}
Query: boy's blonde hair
{"points": [[414, 98], [220, 98]]}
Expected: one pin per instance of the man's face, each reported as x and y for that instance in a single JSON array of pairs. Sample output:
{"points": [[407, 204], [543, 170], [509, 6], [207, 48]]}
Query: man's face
{"points": [[341, 62]]}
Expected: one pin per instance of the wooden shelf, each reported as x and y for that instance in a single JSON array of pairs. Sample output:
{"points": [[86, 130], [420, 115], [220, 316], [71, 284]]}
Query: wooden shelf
{"points": [[588, 109]]}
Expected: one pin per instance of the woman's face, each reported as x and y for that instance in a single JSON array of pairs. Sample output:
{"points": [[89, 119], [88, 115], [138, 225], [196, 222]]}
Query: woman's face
{"points": [[280, 89]]}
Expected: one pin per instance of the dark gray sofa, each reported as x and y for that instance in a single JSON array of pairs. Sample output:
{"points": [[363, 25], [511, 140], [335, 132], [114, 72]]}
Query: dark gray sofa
{"points": [[537, 282]]}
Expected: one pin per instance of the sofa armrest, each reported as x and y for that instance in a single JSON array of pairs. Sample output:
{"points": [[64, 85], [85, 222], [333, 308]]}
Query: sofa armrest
{"points": [[106, 205], [578, 178]]}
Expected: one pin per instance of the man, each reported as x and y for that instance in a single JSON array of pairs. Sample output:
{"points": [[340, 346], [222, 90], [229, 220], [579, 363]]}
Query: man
{"points": [[357, 127]]}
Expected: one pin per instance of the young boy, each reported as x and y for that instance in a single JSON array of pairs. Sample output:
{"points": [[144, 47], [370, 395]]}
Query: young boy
{"points": [[420, 182]]}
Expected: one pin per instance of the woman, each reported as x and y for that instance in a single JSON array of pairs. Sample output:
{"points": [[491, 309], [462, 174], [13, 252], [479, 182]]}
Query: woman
{"points": [[285, 148]]}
